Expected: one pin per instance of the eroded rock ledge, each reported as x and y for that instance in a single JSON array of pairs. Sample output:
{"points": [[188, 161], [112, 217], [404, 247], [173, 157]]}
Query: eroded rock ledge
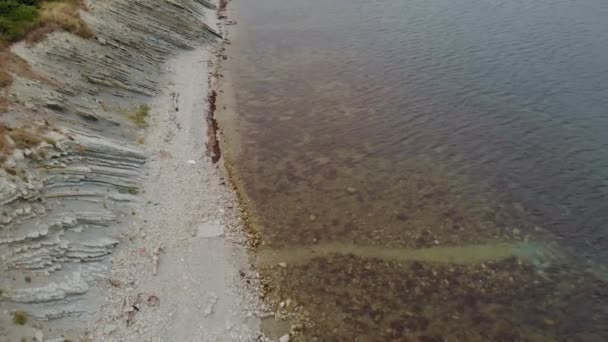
{"points": [[72, 156]]}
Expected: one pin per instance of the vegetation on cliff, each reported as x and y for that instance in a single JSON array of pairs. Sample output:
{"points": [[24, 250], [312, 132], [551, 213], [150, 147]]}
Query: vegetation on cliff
{"points": [[34, 20], [18, 18]]}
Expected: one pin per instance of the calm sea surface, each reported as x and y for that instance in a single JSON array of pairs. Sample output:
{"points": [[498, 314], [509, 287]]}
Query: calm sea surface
{"points": [[429, 170]]}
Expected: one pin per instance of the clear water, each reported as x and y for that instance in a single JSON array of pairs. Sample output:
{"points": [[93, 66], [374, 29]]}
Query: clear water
{"points": [[434, 125]]}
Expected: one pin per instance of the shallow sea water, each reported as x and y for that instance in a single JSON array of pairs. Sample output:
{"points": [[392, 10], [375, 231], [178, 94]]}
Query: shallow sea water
{"points": [[429, 170]]}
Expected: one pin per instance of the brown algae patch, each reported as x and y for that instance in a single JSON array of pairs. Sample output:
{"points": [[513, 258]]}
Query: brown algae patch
{"points": [[346, 297], [213, 144]]}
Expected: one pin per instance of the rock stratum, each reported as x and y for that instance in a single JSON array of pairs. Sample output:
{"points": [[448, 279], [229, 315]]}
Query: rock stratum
{"points": [[72, 155]]}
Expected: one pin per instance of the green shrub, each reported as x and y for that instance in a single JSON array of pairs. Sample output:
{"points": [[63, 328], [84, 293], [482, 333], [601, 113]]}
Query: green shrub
{"points": [[140, 115], [20, 318], [16, 18], [133, 190], [19, 18]]}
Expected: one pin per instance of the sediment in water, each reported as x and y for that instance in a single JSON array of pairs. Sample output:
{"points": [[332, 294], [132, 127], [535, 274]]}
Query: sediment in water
{"points": [[429, 263]]}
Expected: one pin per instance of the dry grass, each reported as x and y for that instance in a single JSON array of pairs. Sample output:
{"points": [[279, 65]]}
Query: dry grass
{"points": [[11, 171], [60, 15], [4, 102], [5, 148], [22, 138], [34, 19], [5, 79], [11, 63], [51, 15]]}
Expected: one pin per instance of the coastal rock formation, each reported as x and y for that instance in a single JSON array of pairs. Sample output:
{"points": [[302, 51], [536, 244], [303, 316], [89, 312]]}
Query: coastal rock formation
{"points": [[72, 160]]}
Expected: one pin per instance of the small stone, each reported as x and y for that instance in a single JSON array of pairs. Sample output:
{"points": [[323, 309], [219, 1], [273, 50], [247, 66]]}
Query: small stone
{"points": [[38, 336], [102, 41], [108, 329], [313, 217], [10, 163], [516, 231], [284, 338], [351, 189], [282, 305], [210, 229], [153, 300], [283, 264], [31, 106]]}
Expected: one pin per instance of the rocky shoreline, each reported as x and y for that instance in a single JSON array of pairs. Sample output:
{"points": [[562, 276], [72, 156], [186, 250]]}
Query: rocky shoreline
{"points": [[109, 199]]}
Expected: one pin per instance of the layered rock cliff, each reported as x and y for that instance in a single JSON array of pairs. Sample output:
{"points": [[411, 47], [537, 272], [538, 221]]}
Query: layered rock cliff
{"points": [[72, 156]]}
